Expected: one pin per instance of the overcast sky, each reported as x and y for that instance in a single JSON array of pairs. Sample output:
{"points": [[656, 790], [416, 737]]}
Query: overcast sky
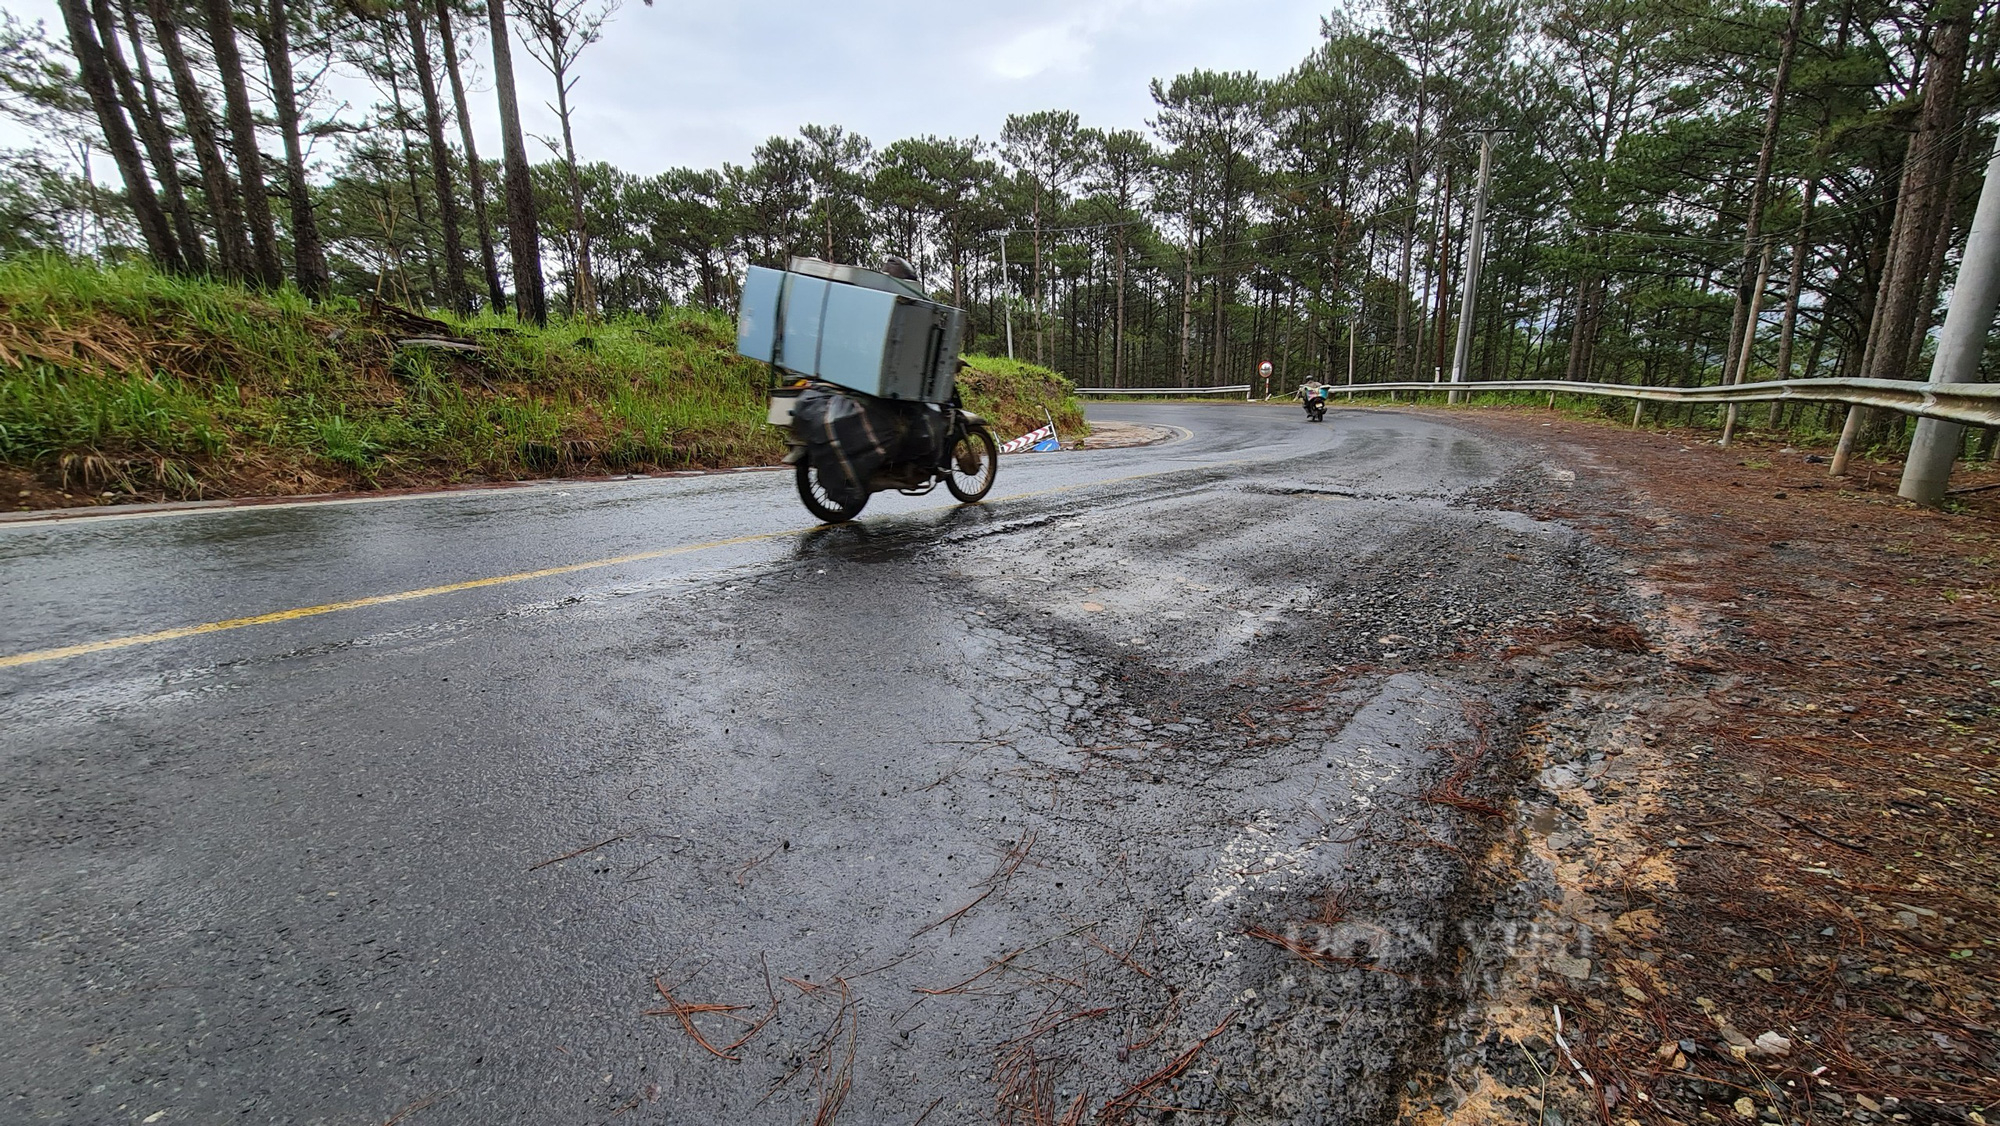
{"points": [[699, 82]]}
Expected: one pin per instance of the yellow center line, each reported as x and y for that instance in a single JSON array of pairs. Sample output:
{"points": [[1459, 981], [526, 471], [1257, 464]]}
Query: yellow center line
{"points": [[63, 652], [59, 653]]}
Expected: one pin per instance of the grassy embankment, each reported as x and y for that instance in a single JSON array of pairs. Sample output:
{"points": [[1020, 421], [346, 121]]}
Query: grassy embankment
{"points": [[125, 384]]}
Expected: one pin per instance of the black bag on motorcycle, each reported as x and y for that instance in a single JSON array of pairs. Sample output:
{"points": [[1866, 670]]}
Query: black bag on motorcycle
{"points": [[849, 438]]}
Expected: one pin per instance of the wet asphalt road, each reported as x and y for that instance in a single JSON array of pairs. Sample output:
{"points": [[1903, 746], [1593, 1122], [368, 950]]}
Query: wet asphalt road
{"points": [[468, 858]]}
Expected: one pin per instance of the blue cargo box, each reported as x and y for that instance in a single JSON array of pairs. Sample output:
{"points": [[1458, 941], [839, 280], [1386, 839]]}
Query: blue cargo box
{"points": [[856, 328]]}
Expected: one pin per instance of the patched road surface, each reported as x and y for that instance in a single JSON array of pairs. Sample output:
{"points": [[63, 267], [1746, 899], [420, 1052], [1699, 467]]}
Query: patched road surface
{"points": [[1148, 784]]}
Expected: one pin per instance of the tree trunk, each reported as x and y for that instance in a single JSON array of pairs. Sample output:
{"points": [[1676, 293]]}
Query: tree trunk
{"points": [[1118, 327], [154, 226], [402, 119], [194, 255], [586, 285], [449, 219], [1922, 197], [1941, 242], [1801, 255], [1423, 325], [1754, 221], [475, 173], [523, 240], [224, 206], [1403, 287], [1444, 282], [1040, 322], [153, 135], [1187, 307], [1219, 324], [1579, 326], [308, 253], [243, 140]]}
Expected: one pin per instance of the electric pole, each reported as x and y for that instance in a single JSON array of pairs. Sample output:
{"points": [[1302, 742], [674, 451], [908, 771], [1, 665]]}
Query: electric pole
{"points": [[1473, 248], [1352, 318], [1006, 305], [1937, 443]]}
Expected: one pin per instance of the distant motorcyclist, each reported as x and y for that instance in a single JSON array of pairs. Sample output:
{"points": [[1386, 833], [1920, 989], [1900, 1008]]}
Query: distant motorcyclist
{"points": [[1313, 395]]}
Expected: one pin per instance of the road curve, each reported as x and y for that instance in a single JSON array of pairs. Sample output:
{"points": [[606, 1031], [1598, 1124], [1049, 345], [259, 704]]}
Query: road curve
{"points": [[956, 808]]}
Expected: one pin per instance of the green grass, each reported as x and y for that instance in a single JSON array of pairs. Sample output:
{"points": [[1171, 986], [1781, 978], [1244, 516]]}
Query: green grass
{"points": [[1017, 397], [123, 383]]}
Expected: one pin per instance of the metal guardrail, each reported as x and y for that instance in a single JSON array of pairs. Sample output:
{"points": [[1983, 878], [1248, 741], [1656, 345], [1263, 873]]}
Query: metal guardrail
{"points": [[1238, 389], [1975, 404]]}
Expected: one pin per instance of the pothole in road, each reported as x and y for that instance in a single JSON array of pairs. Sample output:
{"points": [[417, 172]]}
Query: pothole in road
{"points": [[1125, 811]]}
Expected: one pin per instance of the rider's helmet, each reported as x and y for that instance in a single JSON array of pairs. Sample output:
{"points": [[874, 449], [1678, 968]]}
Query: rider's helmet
{"points": [[896, 267]]}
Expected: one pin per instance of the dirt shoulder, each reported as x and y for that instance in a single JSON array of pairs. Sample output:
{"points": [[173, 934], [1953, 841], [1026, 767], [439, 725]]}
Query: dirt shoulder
{"points": [[1755, 865]]}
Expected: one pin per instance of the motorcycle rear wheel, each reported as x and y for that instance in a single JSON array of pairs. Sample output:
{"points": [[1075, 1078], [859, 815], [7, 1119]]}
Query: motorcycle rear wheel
{"points": [[817, 500]]}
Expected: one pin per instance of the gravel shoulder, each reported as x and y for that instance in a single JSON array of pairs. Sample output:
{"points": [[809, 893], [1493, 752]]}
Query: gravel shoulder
{"points": [[1753, 862]]}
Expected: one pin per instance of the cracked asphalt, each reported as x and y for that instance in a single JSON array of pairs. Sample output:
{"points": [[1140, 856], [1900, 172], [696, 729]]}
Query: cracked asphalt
{"points": [[1143, 791]]}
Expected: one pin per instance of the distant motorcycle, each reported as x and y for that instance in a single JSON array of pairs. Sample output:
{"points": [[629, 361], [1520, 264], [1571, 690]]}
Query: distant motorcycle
{"points": [[1313, 396]]}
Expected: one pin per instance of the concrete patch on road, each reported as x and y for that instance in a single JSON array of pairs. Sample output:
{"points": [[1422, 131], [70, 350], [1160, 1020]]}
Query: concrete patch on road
{"points": [[1108, 435]]}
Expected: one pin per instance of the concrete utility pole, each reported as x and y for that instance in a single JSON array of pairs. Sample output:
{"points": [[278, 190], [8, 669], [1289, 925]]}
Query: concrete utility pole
{"points": [[1351, 319], [1937, 444], [1006, 306], [1473, 248], [1742, 369]]}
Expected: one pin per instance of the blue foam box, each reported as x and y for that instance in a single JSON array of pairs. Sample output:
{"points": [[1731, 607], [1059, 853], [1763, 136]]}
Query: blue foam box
{"points": [[856, 328]]}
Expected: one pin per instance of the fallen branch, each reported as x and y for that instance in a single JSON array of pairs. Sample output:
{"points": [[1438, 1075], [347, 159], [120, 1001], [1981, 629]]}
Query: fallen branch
{"points": [[743, 873], [960, 987], [1827, 837], [833, 1080], [446, 344], [414, 1107], [1009, 864], [577, 853], [1122, 1107], [1126, 957], [1320, 958], [684, 1013]]}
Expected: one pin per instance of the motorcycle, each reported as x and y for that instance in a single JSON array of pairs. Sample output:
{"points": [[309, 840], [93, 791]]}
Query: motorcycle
{"points": [[847, 446], [864, 370], [1314, 397]]}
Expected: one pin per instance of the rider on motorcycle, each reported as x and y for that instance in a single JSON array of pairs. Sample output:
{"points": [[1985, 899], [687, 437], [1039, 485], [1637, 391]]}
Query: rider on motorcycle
{"points": [[1313, 395]]}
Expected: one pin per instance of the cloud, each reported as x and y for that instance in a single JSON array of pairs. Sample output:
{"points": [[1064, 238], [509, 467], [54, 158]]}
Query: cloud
{"points": [[692, 83], [1066, 44], [1057, 46]]}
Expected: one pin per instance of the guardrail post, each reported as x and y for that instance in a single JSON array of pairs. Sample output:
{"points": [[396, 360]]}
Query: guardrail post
{"points": [[1638, 412]]}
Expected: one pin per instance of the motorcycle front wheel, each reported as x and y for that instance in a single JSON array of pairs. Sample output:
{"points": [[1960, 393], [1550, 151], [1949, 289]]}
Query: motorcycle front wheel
{"points": [[975, 462], [817, 500]]}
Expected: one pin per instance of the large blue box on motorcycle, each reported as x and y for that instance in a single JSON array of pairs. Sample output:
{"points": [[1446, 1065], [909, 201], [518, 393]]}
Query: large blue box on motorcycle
{"points": [[856, 328]]}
